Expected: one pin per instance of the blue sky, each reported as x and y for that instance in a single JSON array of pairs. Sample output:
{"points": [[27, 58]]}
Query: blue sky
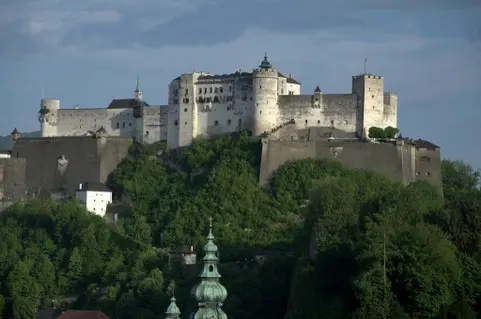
{"points": [[88, 52]]}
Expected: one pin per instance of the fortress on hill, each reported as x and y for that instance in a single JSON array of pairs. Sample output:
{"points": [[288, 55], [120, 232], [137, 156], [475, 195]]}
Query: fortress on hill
{"points": [[203, 105], [80, 145]]}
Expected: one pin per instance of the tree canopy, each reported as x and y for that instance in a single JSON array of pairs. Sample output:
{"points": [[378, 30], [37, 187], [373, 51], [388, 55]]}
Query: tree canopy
{"points": [[383, 249]]}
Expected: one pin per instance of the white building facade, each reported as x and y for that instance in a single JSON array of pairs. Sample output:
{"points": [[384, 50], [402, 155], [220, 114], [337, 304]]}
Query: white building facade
{"points": [[203, 105], [95, 196]]}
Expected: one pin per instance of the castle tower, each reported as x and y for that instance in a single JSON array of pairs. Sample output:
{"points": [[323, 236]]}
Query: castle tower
{"points": [[138, 114], [173, 311], [265, 109], [47, 116], [15, 135], [209, 293], [370, 91]]}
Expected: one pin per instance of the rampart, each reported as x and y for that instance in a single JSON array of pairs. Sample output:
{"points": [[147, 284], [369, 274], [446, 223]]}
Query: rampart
{"points": [[56, 164], [399, 160], [12, 179]]}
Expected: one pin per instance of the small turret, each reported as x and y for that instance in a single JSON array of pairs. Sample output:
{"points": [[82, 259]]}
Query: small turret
{"points": [[15, 134], [265, 64], [317, 89]]}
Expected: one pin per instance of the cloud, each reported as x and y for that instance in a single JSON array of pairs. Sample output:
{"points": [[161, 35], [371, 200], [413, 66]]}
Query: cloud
{"points": [[31, 26]]}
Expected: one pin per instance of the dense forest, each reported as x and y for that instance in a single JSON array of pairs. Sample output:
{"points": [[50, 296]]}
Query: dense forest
{"points": [[384, 250]]}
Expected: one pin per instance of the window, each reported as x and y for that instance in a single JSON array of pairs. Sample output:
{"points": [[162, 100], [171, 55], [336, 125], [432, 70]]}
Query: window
{"points": [[318, 121], [332, 122], [428, 173], [306, 121], [185, 110], [230, 88], [123, 124], [200, 90], [176, 123], [205, 90], [130, 124], [216, 99], [185, 123], [186, 100], [215, 90], [260, 87], [346, 122], [221, 89], [186, 91], [146, 133], [118, 124], [228, 122], [282, 91], [216, 123], [210, 90]]}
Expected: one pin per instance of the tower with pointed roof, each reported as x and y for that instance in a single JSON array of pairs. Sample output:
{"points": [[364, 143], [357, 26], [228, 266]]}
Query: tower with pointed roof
{"points": [[173, 311], [138, 92], [209, 293], [264, 88]]}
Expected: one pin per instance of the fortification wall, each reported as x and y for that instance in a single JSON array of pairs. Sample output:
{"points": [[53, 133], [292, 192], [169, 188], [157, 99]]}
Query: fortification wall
{"points": [[111, 152], [380, 158], [428, 165], [155, 124], [12, 179], [65, 162], [117, 122], [335, 110]]}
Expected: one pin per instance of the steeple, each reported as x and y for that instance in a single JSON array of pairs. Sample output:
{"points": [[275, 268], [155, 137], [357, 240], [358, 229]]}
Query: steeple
{"points": [[265, 64], [317, 89], [209, 293], [138, 93], [173, 311]]}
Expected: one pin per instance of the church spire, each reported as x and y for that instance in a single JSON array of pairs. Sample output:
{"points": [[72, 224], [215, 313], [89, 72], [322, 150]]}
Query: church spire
{"points": [[138, 93], [209, 293]]}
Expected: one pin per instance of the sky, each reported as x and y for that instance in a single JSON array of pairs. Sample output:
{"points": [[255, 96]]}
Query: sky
{"points": [[87, 52]]}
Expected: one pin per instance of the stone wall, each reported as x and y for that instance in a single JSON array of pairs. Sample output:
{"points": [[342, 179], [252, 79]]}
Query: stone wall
{"points": [[12, 179], [59, 163], [334, 110], [397, 160]]}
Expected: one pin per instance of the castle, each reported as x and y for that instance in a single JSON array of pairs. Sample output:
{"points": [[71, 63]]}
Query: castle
{"points": [[203, 105], [92, 142]]}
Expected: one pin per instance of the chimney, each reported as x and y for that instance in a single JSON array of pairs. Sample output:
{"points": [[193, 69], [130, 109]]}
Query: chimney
{"points": [[290, 75]]}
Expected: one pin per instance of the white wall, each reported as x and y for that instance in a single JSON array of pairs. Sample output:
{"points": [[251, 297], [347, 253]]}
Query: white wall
{"points": [[95, 201]]}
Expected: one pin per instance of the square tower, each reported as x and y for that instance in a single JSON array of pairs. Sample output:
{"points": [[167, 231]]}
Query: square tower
{"points": [[370, 92]]}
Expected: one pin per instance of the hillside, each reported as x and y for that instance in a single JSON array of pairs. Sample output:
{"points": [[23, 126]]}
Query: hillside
{"points": [[6, 141], [430, 267]]}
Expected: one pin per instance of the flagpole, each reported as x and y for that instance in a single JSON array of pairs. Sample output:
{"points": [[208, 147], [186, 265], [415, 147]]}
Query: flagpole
{"points": [[365, 65]]}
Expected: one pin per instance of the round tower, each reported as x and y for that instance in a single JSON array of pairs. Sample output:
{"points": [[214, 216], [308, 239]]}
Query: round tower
{"points": [[264, 85], [47, 116]]}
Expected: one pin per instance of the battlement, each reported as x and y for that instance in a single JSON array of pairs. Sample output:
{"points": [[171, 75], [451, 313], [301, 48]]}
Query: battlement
{"points": [[367, 76]]}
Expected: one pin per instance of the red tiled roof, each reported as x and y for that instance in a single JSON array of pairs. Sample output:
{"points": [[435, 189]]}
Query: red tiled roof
{"points": [[82, 314]]}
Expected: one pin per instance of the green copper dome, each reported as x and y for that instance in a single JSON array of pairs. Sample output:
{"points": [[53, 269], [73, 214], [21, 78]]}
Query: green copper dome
{"points": [[173, 311], [265, 64], [209, 293]]}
